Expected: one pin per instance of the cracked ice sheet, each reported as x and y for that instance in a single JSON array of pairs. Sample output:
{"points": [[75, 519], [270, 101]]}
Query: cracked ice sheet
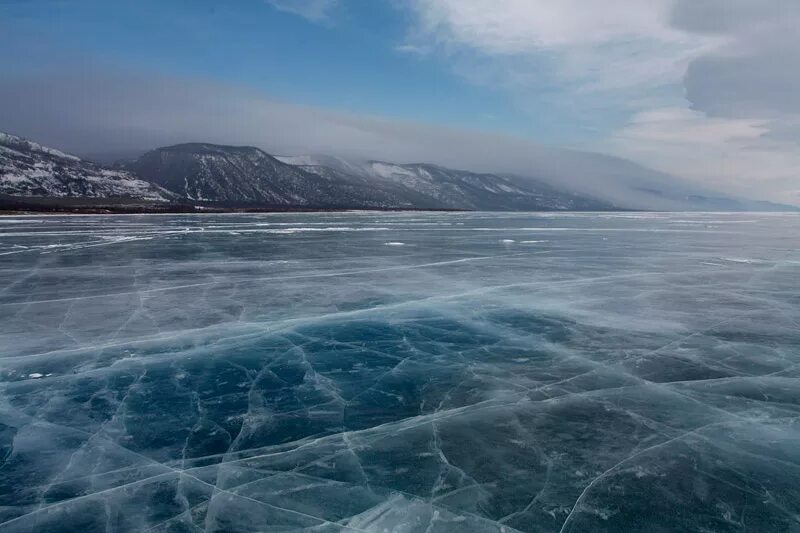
{"points": [[293, 373]]}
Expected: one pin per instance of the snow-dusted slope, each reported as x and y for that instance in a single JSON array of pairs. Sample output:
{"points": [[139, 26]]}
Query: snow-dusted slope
{"points": [[230, 175], [480, 191], [582, 181], [30, 169], [233, 174], [459, 189]]}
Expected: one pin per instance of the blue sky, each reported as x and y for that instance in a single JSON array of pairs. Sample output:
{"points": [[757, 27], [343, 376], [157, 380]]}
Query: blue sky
{"points": [[347, 62], [355, 59], [634, 79]]}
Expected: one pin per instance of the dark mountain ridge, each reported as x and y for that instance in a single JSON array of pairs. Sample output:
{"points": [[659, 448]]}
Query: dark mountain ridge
{"points": [[219, 176]]}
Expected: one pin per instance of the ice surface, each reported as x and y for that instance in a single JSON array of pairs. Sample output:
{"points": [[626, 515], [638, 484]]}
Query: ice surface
{"points": [[631, 372]]}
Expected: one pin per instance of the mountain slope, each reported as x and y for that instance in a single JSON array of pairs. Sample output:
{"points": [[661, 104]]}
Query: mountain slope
{"points": [[247, 175], [437, 186], [30, 169], [231, 176]]}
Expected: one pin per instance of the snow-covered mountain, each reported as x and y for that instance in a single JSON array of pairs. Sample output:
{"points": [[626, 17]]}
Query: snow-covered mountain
{"points": [[448, 188], [30, 169], [564, 179], [247, 175], [242, 174]]}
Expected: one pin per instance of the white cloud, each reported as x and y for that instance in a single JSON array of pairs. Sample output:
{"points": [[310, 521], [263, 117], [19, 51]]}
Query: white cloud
{"points": [[412, 49], [313, 10], [517, 26], [598, 45], [727, 153], [709, 86], [684, 126]]}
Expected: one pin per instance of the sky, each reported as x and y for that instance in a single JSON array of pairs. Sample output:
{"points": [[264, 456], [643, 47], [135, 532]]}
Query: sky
{"points": [[707, 90]]}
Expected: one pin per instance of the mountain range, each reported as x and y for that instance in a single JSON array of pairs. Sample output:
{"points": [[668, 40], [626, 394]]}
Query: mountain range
{"points": [[204, 174]]}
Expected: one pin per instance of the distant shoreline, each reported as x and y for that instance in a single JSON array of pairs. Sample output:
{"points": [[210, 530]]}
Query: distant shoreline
{"points": [[10, 206], [221, 211], [54, 212], [31, 206]]}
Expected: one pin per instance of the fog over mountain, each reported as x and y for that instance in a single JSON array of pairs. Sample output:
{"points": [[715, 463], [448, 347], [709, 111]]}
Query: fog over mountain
{"points": [[201, 175], [209, 175], [95, 111]]}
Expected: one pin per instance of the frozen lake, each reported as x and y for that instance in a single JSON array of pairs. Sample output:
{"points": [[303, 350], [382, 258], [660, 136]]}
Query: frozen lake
{"points": [[410, 372]]}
